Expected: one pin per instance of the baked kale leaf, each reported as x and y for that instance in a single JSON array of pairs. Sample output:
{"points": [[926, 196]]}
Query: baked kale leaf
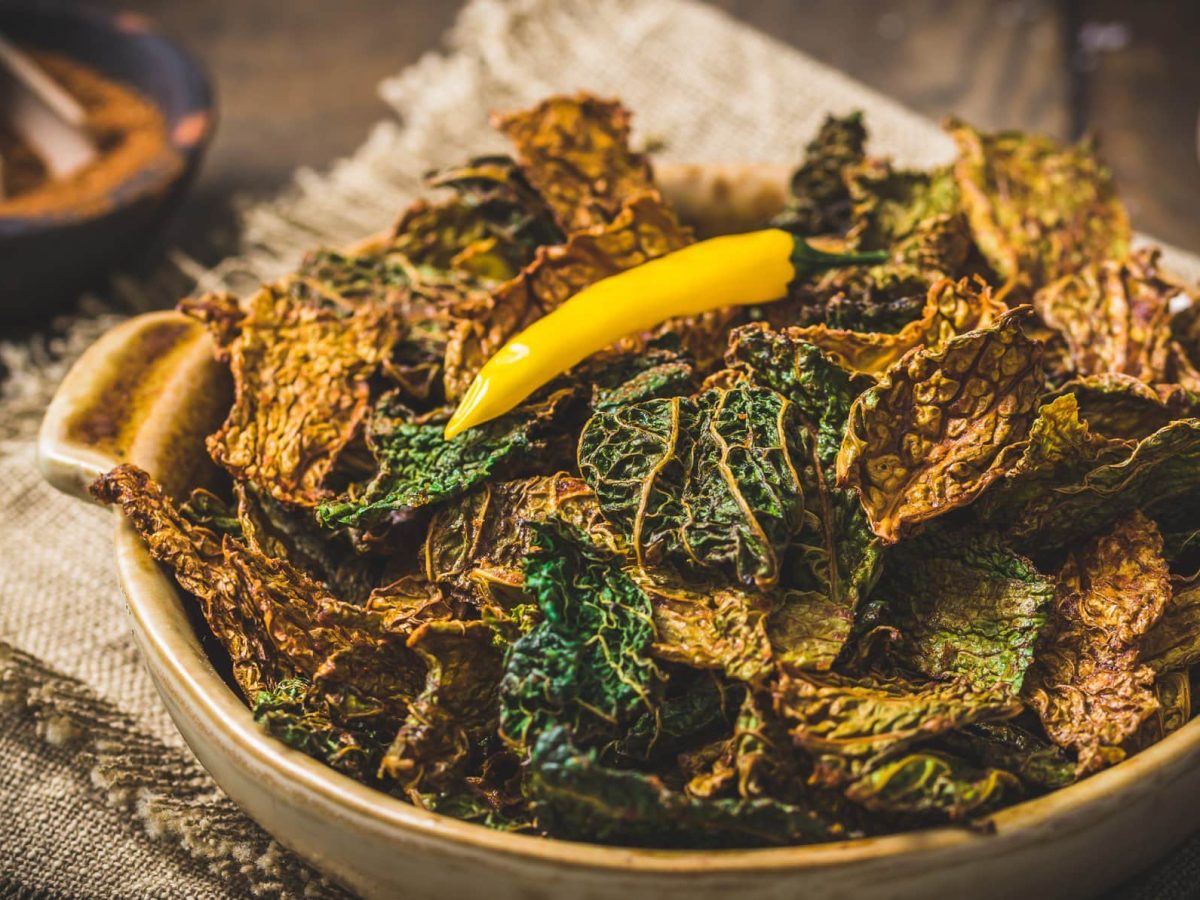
{"points": [[963, 605], [835, 558], [1088, 683], [586, 665], [419, 467], [939, 427], [702, 484], [577, 797], [932, 782], [820, 201]]}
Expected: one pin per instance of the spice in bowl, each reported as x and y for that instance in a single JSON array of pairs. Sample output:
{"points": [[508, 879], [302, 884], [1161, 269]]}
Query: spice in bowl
{"points": [[128, 130]]}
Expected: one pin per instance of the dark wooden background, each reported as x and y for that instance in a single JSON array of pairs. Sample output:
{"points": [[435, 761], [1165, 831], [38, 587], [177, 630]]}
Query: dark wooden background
{"points": [[296, 81]]}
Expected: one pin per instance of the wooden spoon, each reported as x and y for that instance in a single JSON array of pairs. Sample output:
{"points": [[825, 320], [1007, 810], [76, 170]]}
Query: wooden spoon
{"points": [[45, 116]]}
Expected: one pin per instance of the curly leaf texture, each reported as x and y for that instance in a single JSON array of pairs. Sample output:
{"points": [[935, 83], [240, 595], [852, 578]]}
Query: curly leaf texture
{"points": [[1087, 685], [703, 484], [938, 427]]}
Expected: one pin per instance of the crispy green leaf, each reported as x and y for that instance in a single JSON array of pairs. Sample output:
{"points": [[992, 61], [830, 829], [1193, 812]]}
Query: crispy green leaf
{"points": [[861, 717], [808, 629], [636, 376], [1087, 685], [855, 299], [407, 602], [711, 628], [586, 665], [1038, 211], [820, 201], [694, 706], [710, 483], [428, 301], [936, 430], [418, 466], [346, 279], [476, 548], [1059, 450], [822, 391], [577, 797], [836, 556], [754, 761], [932, 782], [964, 606], [303, 718], [452, 234]]}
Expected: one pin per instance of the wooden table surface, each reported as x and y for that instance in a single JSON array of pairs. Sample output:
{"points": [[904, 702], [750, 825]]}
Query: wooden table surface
{"points": [[296, 81]]}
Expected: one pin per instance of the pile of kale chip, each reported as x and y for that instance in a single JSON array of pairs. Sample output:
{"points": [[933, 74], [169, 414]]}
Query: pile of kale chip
{"points": [[914, 543]]}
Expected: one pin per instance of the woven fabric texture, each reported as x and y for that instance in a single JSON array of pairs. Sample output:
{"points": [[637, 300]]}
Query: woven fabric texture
{"points": [[99, 796]]}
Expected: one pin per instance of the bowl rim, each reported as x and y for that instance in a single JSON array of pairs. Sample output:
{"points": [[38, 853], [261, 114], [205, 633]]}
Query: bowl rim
{"points": [[188, 142]]}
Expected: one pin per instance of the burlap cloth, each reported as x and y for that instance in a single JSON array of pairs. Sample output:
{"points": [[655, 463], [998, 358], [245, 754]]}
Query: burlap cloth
{"points": [[99, 796]]}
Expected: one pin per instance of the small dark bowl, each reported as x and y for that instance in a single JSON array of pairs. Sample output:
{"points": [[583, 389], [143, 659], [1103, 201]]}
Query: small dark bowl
{"points": [[46, 259]]}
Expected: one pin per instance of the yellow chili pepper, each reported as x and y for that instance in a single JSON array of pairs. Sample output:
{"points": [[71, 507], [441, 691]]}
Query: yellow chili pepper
{"points": [[734, 270]]}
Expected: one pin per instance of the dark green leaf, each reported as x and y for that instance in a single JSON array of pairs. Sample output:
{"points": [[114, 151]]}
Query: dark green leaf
{"points": [[820, 201], [964, 606], [586, 665], [300, 716], [575, 796], [822, 391], [710, 483], [419, 467], [836, 556]]}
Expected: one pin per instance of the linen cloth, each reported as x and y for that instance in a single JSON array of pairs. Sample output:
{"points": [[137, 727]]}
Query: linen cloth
{"points": [[99, 796]]}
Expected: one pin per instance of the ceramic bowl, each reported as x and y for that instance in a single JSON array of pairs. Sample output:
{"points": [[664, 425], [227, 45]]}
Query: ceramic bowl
{"points": [[149, 391], [46, 259]]}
